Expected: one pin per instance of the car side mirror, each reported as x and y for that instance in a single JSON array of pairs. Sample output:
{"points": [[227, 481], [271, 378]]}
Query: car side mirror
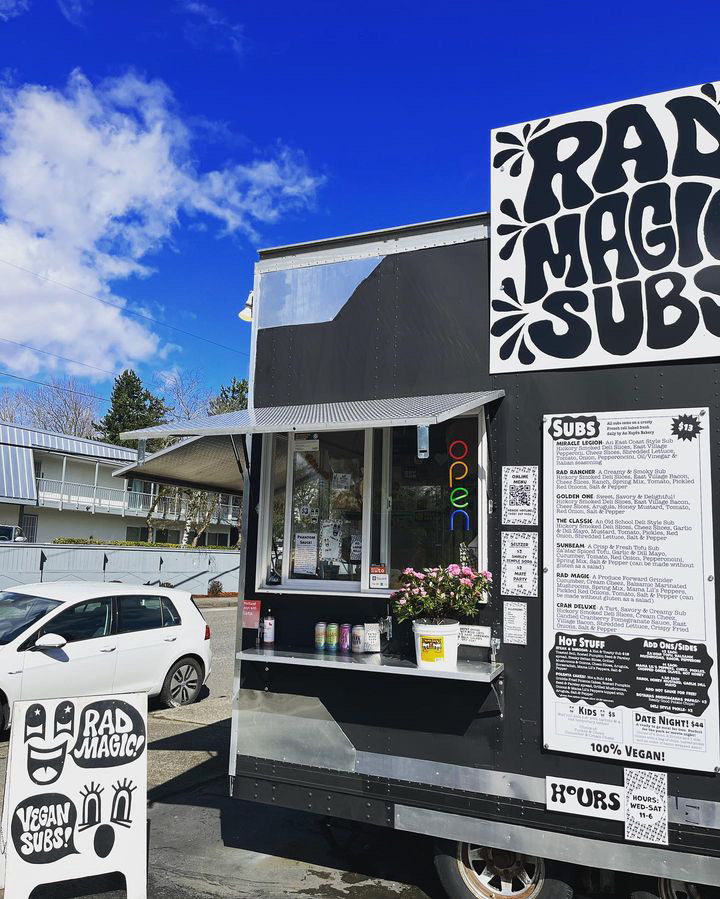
{"points": [[50, 641]]}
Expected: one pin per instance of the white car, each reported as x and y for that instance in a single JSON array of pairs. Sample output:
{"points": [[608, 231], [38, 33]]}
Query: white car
{"points": [[79, 639]]}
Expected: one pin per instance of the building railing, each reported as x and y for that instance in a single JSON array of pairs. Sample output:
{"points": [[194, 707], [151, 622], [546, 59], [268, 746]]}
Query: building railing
{"points": [[114, 500]]}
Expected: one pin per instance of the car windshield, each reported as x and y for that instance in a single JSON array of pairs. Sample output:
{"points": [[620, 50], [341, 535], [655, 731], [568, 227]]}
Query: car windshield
{"points": [[19, 611]]}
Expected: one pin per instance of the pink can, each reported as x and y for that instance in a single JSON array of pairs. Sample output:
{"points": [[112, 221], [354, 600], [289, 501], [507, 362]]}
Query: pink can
{"points": [[345, 631]]}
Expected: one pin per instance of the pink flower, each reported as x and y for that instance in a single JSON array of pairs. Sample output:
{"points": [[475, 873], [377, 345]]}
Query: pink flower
{"points": [[466, 582], [402, 602], [453, 569], [416, 591], [420, 576], [487, 575], [468, 572]]}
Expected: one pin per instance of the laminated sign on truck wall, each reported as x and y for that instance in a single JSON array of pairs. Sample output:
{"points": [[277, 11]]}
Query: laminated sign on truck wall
{"points": [[630, 655], [606, 227]]}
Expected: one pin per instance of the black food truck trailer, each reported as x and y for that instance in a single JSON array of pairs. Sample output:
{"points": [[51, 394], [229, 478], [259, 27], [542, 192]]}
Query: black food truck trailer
{"points": [[532, 394]]}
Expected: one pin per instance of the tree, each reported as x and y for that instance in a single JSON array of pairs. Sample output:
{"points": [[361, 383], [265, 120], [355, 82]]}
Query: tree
{"points": [[11, 411], [185, 393], [231, 397], [132, 406], [64, 406]]}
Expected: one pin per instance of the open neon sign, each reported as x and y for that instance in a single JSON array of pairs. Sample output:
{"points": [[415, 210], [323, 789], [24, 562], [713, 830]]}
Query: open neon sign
{"points": [[458, 451]]}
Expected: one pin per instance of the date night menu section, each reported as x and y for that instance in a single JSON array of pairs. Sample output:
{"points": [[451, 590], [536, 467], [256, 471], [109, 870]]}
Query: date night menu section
{"points": [[629, 614]]}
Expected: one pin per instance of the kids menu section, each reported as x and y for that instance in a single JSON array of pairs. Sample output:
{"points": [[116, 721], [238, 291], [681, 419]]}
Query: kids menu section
{"points": [[630, 655]]}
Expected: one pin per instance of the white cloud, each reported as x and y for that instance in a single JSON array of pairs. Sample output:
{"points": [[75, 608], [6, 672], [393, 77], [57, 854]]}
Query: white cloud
{"points": [[74, 10], [93, 179], [207, 26], [11, 8]]}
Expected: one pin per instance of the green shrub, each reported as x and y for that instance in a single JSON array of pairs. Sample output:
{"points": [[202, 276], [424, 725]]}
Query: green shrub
{"points": [[215, 588], [91, 541]]}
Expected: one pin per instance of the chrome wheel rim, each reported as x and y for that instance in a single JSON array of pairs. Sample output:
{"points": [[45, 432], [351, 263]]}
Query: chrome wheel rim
{"points": [[494, 873], [678, 889], [184, 685]]}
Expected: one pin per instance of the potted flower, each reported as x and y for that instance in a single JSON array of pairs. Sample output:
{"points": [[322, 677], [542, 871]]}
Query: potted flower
{"points": [[434, 599]]}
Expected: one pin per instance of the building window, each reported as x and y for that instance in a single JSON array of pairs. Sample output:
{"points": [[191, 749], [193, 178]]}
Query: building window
{"points": [[137, 534], [218, 538], [336, 504], [165, 535]]}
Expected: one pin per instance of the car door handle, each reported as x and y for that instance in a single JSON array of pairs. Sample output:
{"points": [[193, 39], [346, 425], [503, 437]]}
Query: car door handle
{"points": [[107, 649], [170, 639]]}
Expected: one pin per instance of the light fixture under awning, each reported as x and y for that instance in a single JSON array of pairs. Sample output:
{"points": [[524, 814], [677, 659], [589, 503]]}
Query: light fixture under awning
{"points": [[382, 413], [200, 463]]}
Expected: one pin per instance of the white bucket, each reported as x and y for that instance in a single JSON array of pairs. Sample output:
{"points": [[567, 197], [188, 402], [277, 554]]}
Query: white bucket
{"points": [[436, 645]]}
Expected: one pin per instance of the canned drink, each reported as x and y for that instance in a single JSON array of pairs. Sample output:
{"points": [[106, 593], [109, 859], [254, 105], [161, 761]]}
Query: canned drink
{"points": [[358, 638], [345, 640], [320, 636], [331, 637], [372, 637]]}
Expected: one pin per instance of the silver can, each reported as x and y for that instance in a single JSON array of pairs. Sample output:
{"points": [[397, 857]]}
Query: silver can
{"points": [[358, 638], [320, 636], [372, 637]]}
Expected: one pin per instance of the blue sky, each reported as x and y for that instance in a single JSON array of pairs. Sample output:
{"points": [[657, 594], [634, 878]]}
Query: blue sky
{"points": [[147, 149]]}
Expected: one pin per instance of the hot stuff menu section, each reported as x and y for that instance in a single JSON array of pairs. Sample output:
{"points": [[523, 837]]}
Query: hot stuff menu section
{"points": [[630, 660]]}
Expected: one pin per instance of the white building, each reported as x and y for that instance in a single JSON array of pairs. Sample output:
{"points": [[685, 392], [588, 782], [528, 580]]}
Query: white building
{"points": [[53, 485]]}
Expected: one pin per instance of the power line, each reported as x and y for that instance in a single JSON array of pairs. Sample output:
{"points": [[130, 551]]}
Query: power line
{"points": [[92, 396], [124, 309], [57, 356]]}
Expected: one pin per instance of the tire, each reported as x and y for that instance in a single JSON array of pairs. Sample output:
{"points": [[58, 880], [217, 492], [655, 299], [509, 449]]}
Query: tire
{"points": [[467, 871], [183, 683], [678, 889]]}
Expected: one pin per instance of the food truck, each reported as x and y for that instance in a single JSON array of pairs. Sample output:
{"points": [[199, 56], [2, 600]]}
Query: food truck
{"points": [[562, 349]]}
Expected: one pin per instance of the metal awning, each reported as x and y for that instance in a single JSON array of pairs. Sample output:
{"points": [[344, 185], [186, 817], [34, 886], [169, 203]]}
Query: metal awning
{"points": [[17, 475], [391, 412], [201, 463]]}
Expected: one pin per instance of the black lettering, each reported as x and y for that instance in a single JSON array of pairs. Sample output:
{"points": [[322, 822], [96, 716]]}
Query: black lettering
{"points": [[711, 226], [608, 209], [691, 114], [690, 199], [623, 336], [649, 153], [661, 334], [708, 280], [539, 250], [549, 161], [657, 198], [576, 337]]}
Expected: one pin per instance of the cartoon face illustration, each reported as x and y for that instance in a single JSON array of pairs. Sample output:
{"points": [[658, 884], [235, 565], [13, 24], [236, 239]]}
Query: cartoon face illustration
{"points": [[46, 751]]}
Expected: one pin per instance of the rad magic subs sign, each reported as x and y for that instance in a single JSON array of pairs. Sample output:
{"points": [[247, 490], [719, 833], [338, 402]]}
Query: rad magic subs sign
{"points": [[606, 235]]}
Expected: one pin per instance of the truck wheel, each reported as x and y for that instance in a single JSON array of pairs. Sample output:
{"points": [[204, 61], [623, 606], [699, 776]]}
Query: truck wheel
{"points": [[467, 871], [678, 889]]}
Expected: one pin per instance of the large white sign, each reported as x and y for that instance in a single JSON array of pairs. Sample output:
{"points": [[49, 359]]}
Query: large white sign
{"points": [[76, 792], [630, 656], [605, 241]]}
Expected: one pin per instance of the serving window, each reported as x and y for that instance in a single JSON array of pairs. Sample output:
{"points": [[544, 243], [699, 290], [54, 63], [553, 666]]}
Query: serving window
{"points": [[347, 511]]}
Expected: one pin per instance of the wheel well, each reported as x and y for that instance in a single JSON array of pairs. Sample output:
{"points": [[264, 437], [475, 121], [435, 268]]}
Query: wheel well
{"points": [[4, 711]]}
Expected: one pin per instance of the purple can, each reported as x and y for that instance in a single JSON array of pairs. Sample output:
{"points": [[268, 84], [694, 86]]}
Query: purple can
{"points": [[345, 631]]}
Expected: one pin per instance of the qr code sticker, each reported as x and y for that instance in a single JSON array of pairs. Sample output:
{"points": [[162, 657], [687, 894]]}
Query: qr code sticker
{"points": [[520, 495]]}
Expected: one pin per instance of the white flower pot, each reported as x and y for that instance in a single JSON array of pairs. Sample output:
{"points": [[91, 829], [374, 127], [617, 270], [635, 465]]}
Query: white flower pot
{"points": [[436, 645]]}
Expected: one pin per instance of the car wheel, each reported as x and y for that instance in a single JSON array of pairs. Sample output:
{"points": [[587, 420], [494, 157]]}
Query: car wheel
{"points": [[467, 871], [183, 682]]}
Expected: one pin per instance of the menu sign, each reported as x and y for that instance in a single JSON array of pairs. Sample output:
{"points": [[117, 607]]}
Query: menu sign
{"points": [[630, 652]]}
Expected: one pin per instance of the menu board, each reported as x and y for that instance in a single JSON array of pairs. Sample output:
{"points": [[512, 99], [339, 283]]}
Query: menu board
{"points": [[629, 611]]}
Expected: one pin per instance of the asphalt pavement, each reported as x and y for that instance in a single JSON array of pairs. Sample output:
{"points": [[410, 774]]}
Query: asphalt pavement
{"points": [[203, 845]]}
